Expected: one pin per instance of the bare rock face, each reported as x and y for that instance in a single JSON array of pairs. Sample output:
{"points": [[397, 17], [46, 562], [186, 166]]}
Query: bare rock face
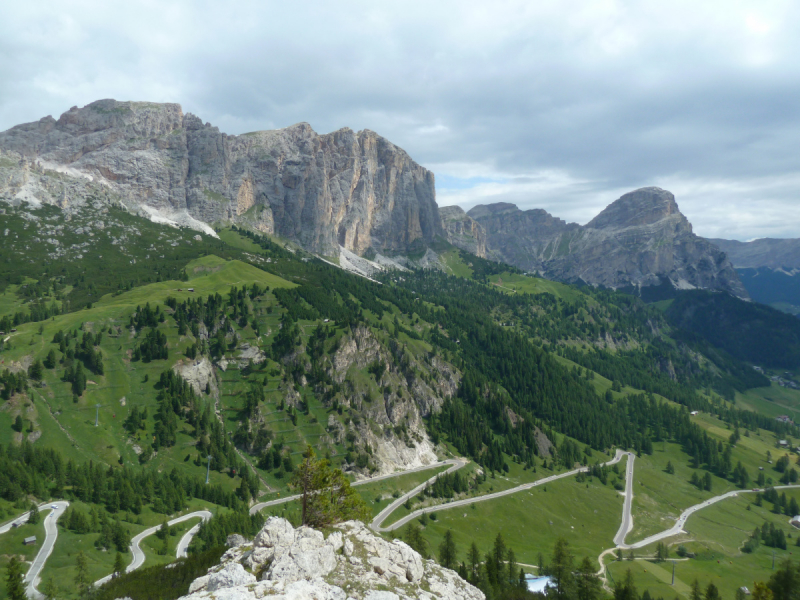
{"points": [[408, 394], [640, 240], [463, 231], [355, 190], [351, 563]]}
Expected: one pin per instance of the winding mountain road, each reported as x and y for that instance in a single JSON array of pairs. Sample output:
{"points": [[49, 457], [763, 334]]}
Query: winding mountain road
{"points": [[453, 461], [684, 516], [456, 464], [183, 544], [50, 537], [485, 497]]}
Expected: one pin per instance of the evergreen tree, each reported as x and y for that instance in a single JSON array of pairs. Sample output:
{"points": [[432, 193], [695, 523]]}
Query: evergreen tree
{"points": [[414, 538], [15, 588], [587, 584], [33, 516], [119, 565], [82, 572], [712, 593], [474, 560], [560, 570], [50, 589], [696, 593], [447, 551], [326, 494], [625, 589]]}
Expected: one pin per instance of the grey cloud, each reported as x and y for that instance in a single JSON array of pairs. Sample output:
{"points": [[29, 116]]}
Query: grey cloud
{"points": [[611, 96]]}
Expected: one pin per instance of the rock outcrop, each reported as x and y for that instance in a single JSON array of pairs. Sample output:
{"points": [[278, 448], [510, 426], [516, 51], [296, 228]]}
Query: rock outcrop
{"points": [[463, 231], [352, 563], [343, 189], [641, 239]]}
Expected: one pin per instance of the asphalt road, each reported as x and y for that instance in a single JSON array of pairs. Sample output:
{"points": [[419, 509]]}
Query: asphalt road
{"points": [[684, 516], [262, 505], [455, 463], [138, 553], [627, 519], [467, 501], [50, 536]]}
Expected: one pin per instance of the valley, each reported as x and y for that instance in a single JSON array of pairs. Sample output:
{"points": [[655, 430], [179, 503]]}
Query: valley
{"points": [[163, 384]]}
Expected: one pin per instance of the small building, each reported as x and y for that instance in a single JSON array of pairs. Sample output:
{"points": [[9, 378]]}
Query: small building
{"points": [[29, 540]]}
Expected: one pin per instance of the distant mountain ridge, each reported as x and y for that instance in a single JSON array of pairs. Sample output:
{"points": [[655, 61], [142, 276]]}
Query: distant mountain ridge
{"points": [[642, 239], [348, 189], [765, 252], [343, 193], [769, 268]]}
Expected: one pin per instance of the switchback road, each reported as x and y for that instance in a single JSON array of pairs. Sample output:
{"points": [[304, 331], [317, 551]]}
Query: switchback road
{"points": [[138, 553], [485, 497]]}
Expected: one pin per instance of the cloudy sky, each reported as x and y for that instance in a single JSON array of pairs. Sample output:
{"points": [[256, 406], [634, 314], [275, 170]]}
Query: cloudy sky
{"points": [[557, 105]]}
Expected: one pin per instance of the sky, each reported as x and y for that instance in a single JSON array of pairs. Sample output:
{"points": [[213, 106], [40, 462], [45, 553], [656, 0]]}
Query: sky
{"points": [[558, 105]]}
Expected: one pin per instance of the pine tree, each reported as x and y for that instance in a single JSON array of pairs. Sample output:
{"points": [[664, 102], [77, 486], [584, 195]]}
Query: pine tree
{"points": [[474, 559], [50, 590], [33, 516], [447, 551], [82, 572], [561, 570], [587, 584], [15, 588], [119, 565]]}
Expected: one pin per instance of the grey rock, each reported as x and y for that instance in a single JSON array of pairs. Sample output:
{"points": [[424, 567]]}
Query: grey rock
{"points": [[641, 239], [302, 563], [463, 231], [355, 190], [235, 540], [231, 575]]}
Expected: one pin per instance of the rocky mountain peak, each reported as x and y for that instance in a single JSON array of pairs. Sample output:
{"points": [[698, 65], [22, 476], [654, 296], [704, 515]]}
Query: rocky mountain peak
{"points": [[644, 206], [350, 563], [324, 191], [641, 239]]}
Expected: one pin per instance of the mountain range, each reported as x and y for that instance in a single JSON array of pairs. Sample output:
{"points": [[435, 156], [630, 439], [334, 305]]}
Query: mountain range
{"points": [[352, 194]]}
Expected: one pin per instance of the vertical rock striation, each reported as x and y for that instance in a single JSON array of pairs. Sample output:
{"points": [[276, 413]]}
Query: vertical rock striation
{"points": [[355, 190]]}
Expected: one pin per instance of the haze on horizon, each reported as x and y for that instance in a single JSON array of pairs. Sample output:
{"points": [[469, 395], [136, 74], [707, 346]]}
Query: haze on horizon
{"points": [[557, 105]]}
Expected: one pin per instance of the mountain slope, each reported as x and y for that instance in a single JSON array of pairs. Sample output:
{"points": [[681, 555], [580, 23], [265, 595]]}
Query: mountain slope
{"points": [[640, 240], [355, 190]]}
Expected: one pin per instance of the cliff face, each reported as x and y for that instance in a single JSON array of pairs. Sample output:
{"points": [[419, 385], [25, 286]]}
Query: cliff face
{"points": [[462, 231], [357, 190], [641, 239]]}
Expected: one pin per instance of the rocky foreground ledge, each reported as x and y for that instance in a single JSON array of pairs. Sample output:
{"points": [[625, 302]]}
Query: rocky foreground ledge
{"points": [[351, 563]]}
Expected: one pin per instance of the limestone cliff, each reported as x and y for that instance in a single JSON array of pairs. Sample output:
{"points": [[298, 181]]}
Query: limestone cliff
{"points": [[463, 231], [355, 190], [641, 239]]}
